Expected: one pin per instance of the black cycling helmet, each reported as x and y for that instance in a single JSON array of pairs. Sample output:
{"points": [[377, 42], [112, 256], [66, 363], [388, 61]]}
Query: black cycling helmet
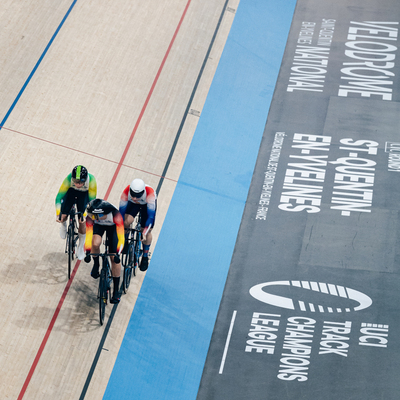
{"points": [[96, 206], [80, 173]]}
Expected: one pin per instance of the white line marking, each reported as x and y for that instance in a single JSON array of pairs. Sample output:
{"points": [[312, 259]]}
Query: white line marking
{"points": [[342, 291], [228, 339], [302, 305], [332, 289], [323, 287], [305, 284]]}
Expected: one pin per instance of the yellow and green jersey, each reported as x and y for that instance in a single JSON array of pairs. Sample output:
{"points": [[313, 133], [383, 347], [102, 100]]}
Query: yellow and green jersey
{"points": [[90, 186]]}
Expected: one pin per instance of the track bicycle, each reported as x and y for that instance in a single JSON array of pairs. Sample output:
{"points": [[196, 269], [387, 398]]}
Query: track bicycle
{"points": [[130, 259], [72, 236], [104, 291]]}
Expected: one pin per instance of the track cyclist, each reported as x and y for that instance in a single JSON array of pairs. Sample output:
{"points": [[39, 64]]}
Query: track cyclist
{"points": [[138, 197], [104, 217], [79, 187]]}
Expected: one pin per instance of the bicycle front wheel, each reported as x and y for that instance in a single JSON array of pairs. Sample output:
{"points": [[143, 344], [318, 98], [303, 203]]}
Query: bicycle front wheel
{"points": [[70, 245], [137, 251], [128, 267], [103, 289]]}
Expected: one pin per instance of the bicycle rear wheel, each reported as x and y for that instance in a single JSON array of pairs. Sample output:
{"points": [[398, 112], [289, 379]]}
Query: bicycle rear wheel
{"points": [[70, 246], [126, 258], [103, 289]]}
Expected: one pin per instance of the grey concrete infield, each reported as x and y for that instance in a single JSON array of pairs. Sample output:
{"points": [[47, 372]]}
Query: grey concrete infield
{"points": [[311, 305]]}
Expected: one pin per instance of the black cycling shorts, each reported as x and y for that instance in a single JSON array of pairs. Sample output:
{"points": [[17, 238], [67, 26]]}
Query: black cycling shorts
{"points": [[133, 209], [111, 232], [81, 199]]}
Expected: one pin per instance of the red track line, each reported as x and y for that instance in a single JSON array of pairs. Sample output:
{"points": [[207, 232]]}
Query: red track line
{"points": [[86, 153], [49, 329], [60, 303], [145, 104]]}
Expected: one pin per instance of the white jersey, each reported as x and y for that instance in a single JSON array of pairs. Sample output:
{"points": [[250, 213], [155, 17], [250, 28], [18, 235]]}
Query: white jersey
{"points": [[108, 221]]}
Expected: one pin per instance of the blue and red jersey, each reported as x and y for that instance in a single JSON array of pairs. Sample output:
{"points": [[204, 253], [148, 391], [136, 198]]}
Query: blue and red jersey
{"points": [[148, 198]]}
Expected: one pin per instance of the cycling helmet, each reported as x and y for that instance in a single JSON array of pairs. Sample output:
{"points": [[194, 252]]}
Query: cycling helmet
{"points": [[80, 173], [137, 188], [96, 208]]}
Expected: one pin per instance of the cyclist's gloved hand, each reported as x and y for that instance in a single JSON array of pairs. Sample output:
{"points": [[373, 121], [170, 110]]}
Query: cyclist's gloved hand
{"points": [[117, 259], [87, 257]]}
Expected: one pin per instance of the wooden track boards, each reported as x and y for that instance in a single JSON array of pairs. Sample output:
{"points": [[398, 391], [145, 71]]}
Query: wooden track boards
{"points": [[80, 105]]}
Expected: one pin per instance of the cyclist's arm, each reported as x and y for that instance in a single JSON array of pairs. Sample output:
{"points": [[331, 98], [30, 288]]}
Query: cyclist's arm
{"points": [[89, 235], [145, 231], [151, 209], [123, 202], [92, 187], [119, 223], [61, 193]]}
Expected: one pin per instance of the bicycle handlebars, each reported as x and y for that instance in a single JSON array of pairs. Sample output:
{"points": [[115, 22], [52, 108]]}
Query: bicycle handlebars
{"points": [[117, 259]]}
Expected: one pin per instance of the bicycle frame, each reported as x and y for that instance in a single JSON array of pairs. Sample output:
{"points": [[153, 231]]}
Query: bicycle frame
{"points": [[130, 260], [104, 290], [72, 236]]}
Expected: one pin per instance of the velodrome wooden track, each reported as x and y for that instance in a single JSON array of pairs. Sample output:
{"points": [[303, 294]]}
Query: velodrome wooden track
{"points": [[105, 84]]}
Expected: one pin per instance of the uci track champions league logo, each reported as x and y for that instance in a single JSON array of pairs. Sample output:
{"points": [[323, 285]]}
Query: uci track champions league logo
{"points": [[333, 290], [304, 336]]}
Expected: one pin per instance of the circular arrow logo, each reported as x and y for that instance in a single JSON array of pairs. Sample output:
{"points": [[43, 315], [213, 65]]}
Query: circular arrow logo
{"points": [[330, 305]]}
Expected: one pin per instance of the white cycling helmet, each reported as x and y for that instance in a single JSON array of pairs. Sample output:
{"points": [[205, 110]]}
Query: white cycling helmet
{"points": [[137, 188]]}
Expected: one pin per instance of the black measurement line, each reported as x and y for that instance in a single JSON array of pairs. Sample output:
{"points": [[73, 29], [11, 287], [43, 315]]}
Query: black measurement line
{"points": [[178, 134], [167, 164]]}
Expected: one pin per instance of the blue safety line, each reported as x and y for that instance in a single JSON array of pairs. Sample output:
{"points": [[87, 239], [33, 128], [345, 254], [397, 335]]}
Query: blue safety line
{"points": [[165, 346], [36, 66]]}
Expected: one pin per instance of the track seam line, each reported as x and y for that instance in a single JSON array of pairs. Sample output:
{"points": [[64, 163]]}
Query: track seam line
{"points": [[88, 154]]}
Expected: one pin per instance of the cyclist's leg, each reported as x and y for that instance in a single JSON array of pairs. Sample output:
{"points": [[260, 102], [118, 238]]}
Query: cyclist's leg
{"points": [[131, 211], [130, 214], [62, 218], [128, 220], [115, 267], [98, 231], [147, 242], [82, 199], [66, 204]]}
